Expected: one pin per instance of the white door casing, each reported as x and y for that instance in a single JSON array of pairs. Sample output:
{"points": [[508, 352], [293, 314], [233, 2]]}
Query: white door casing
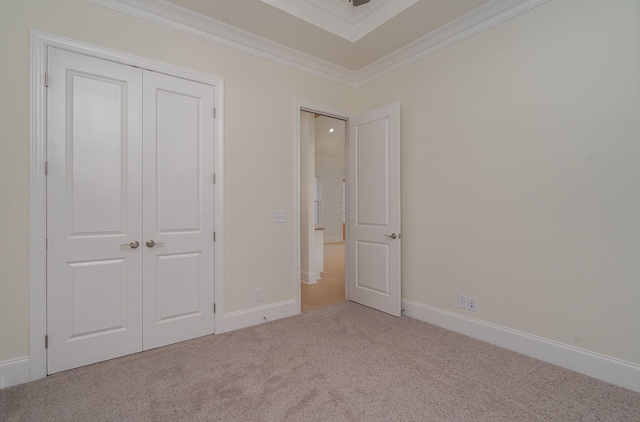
{"points": [[106, 298], [94, 205], [373, 185], [178, 203]]}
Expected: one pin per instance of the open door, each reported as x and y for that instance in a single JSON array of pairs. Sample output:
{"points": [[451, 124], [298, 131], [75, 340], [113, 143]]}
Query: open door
{"points": [[373, 184]]}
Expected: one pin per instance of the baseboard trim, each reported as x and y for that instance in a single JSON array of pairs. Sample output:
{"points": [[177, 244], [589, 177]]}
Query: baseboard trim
{"points": [[14, 372], [308, 278], [617, 372], [254, 316]]}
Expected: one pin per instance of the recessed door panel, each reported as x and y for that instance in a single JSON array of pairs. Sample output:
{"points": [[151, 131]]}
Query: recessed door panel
{"points": [[97, 297], [372, 190], [179, 168], [178, 286], [373, 267], [96, 147]]}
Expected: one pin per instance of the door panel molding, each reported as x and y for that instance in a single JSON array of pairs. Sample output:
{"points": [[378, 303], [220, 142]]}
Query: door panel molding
{"points": [[40, 42]]}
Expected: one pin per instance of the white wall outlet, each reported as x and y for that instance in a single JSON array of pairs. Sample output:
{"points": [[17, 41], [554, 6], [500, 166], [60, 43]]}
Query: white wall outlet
{"points": [[257, 295], [462, 301], [472, 304], [278, 216]]}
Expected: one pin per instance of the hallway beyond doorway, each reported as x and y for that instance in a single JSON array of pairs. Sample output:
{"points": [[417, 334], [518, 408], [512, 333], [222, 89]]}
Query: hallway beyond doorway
{"points": [[330, 288]]}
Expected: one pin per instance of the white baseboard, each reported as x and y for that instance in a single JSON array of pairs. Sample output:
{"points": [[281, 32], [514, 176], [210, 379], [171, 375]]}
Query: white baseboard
{"points": [[14, 372], [254, 316], [308, 278], [623, 374]]}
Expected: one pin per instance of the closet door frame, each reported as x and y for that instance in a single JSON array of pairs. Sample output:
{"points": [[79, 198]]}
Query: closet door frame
{"points": [[40, 42]]}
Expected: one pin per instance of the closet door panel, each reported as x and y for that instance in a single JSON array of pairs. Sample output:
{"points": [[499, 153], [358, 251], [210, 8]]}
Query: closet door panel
{"points": [[94, 210], [178, 209]]}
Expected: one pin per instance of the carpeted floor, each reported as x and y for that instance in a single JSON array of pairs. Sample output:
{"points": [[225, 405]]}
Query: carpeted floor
{"points": [[345, 362]]}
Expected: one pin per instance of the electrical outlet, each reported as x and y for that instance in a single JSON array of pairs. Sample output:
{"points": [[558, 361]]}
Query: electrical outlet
{"points": [[462, 301], [257, 295], [473, 305], [278, 216]]}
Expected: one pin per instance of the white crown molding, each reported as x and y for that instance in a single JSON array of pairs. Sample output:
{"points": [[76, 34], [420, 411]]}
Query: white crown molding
{"points": [[175, 17], [170, 15], [379, 16], [467, 25], [342, 19]]}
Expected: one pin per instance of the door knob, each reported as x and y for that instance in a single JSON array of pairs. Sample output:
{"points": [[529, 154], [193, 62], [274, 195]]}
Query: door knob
{"points": [[392, 236], [151, 243], [132, 245]]}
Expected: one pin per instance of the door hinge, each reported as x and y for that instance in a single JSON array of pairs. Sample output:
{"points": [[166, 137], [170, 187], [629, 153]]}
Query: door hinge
{"points": [[214, 308], [214, 178], [214, 236], [214, 112], [46, 342], [46, 80], [46, 168]]}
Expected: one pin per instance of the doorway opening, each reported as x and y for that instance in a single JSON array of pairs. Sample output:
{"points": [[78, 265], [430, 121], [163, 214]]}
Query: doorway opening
{"points": [[323, 210]]}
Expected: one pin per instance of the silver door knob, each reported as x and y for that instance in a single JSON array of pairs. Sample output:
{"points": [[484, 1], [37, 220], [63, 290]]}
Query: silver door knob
{"points": [[131, 245], [151, 243], [392, 236]]}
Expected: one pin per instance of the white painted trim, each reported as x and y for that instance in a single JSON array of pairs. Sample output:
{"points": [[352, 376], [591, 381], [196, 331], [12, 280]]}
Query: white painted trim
{"points": [[254, 316], [333, 239], [172, 16], [623, 374], [468, 25], [342, 19], [38, 210], [308, 278], [14, 372], [175, 17], [40, 42]]}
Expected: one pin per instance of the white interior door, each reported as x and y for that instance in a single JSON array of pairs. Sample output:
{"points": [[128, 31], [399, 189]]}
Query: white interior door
{"points": [[373, 186], [178, 204], [94, 206], [130, 191]]}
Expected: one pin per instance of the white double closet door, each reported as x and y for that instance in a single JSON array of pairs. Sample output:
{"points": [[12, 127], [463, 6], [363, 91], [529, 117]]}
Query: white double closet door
{"points": [[130, 222]]}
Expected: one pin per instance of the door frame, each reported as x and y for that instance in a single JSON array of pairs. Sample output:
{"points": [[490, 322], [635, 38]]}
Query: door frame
{"points": [[40, 42], [311, 107]]}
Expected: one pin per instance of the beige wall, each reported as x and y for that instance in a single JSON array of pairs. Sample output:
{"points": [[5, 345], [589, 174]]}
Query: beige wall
{"points": [[520, 173], [520, 165], [259, 122]]}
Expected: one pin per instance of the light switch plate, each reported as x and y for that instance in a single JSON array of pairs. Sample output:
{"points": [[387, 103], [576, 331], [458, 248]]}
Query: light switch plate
{"points": [[278, 216]]}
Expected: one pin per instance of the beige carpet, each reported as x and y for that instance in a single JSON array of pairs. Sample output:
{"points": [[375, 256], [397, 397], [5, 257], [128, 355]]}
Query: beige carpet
{"points": [[345, 362]]}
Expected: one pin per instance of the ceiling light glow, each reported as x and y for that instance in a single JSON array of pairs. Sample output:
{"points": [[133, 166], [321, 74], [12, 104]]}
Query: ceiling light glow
{"points": [[331, 130]]}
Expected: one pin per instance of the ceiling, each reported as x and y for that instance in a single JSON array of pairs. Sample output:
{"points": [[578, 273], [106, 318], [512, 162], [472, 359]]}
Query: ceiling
{"points": [[330, 38]]}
